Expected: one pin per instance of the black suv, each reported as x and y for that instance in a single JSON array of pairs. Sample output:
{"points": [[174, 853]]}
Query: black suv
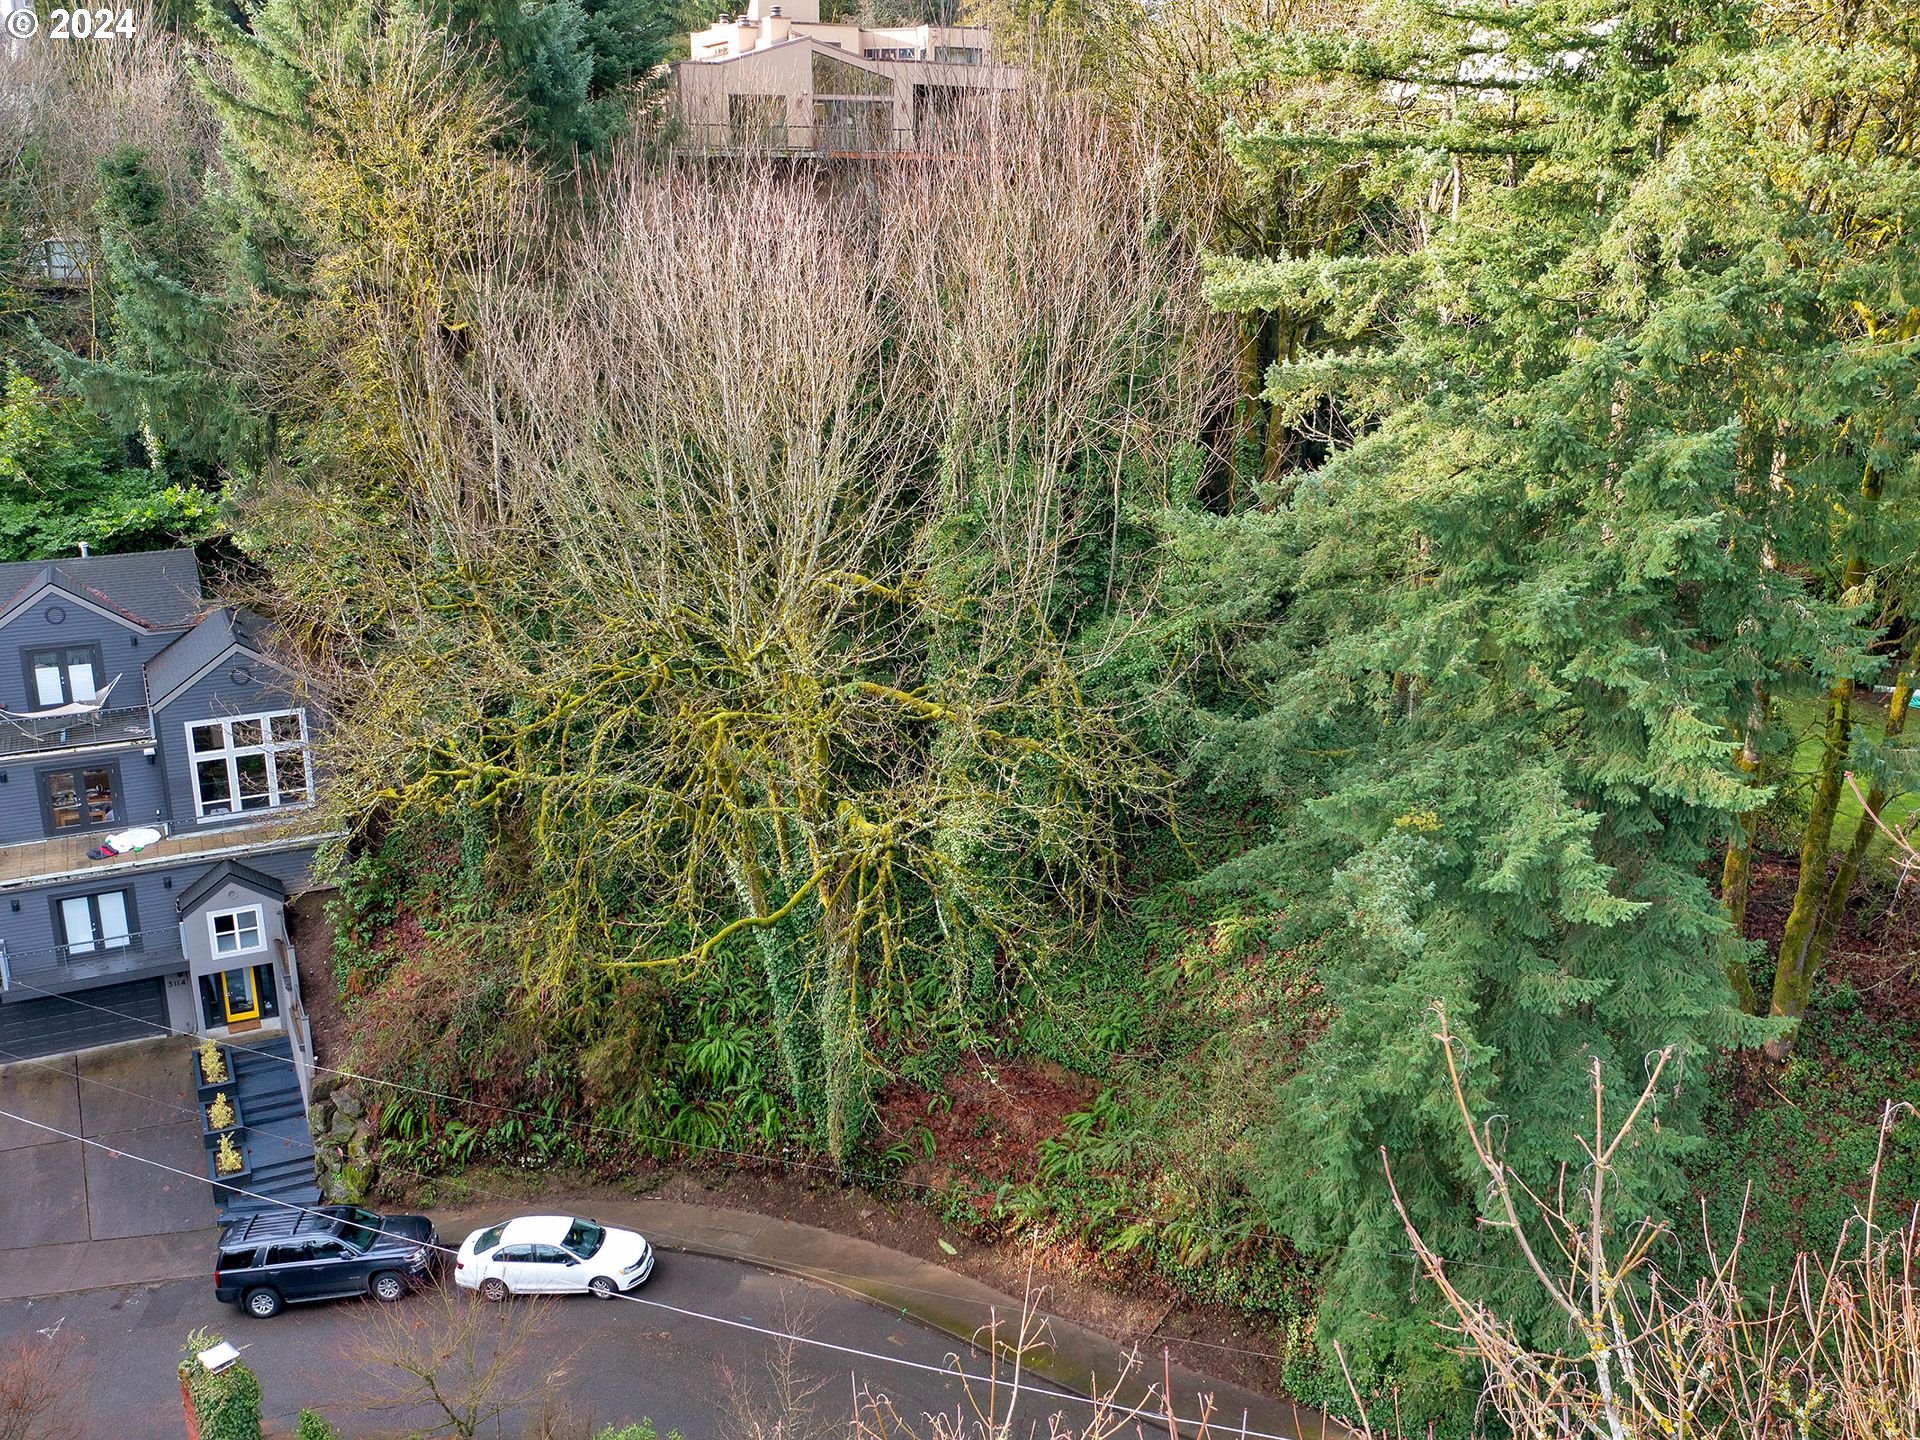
{"points": [[281, 1257]]}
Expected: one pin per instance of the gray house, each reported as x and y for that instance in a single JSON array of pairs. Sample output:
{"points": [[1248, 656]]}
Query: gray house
{"points": [[156, 808]]}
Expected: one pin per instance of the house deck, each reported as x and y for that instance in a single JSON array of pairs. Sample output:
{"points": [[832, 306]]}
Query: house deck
{"points": [[38, 861]]}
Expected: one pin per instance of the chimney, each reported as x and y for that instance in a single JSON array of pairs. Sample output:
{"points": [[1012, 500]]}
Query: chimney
{"points": [[778, 27], [83, 549]]}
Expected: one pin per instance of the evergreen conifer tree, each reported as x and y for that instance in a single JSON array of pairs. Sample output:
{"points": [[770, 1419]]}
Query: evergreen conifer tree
{"points": [[1614, 393], [167, 374]]}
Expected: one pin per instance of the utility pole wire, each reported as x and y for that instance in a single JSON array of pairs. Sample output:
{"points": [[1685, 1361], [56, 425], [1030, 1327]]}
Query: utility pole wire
{"points": [[952, 1371]]}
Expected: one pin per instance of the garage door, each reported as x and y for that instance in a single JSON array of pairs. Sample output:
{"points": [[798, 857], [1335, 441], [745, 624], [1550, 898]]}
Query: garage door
{"points": [[136, 1010]]}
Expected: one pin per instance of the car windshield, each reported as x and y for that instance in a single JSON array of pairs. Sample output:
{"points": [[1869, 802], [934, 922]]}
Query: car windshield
{"points": [[487, 1239], [583, 1239], [358, 1235]]}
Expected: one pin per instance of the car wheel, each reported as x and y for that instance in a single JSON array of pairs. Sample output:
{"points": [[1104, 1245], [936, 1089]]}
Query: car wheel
{"points": [[492, 1289], [263, 1304], [388, 1287], [601, 1287]]}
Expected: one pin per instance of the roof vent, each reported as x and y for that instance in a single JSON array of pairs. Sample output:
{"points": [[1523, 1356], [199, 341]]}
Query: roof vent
{"points": [[83, 549]]}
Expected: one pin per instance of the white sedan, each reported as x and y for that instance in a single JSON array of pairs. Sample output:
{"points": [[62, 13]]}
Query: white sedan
{"points": [[552, 1255]]}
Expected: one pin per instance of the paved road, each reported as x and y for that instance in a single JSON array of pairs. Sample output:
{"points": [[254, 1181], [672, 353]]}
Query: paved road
{"points": [[625, 1360]]}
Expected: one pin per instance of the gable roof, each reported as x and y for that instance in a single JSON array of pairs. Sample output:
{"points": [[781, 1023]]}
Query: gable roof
{"points": [[176, 667], [219, 875], [159, 589]]}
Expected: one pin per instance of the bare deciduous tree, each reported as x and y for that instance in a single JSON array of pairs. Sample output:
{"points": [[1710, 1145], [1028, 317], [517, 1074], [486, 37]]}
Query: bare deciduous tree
{"points": [[463, 1361], [739, 570], [1834, 1351], [39, 1376]]}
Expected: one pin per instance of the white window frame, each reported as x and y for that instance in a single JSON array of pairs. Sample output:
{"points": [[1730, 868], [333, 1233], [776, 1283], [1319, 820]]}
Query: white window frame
{"points": [[259, 930], [231, 753]]}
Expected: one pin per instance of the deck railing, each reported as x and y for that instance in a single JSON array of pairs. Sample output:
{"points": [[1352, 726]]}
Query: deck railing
{"points": [[50, 966], [823, 142], [68, 732]]}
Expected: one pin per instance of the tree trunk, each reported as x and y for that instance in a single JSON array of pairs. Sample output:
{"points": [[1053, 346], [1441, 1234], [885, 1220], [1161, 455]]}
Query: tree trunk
{"points": [[1736, 875], [1834, 909], [1277, 452], [1793, 972]]}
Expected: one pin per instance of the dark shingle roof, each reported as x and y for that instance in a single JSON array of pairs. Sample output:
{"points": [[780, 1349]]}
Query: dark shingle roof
{"points": [[174, 666], [158, 588], [219, 875]]}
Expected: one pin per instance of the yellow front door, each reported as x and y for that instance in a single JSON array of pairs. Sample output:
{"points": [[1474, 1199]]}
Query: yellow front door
{"points": [[238, 994]]}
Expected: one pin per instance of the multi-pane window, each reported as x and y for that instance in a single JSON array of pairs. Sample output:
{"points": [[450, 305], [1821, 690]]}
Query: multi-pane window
{"points": [[67, 675], [251, 762], [235, 931], [80, 799], [91, 923]]}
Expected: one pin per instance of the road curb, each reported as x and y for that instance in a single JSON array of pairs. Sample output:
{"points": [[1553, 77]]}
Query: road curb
{"points": [[1071, 1357]]}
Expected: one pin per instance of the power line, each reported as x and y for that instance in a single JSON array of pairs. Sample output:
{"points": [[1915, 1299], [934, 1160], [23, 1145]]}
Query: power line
{"points": [[949, 1372], [596, 1127], [751, 1157], [497, 1195]]}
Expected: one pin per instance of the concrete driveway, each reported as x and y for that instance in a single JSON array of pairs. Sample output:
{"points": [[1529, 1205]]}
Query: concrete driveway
{"points": [[86, 1214]]}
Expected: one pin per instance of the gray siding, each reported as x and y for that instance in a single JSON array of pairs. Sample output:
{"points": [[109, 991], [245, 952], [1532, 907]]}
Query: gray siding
{"points": [[196, 939], [142, 799], [31, 936], [216, 695], [124, 649]]}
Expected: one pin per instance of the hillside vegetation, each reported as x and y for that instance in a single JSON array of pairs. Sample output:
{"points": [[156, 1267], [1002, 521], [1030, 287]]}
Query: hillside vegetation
{"points": [[1327, 522]]}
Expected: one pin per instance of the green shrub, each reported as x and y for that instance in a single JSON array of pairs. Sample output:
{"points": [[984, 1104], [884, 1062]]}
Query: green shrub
{"points": [[312, 1427], [226, 1405]]}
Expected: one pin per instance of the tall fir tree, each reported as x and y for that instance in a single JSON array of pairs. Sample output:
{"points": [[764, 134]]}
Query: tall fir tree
{"points": [[1615, 387], [167, 375]]}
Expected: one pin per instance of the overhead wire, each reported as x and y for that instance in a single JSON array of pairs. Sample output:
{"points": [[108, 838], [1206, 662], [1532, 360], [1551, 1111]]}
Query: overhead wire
{"points": [[951, 1372], [759, 1158], [810, 1269]]}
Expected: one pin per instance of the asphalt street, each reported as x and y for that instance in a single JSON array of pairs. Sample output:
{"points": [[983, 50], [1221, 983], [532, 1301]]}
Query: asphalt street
{"points": [[617, 1361]]}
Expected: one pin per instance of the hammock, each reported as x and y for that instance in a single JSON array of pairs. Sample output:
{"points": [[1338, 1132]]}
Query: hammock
{"points": [[74, 711]]}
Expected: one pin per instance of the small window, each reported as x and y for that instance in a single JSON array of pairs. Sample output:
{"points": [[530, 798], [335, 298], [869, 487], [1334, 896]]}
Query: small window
{"points": [[63, 259], [515, 1253], [291, 1252], [236, 931], [236, 1259]]}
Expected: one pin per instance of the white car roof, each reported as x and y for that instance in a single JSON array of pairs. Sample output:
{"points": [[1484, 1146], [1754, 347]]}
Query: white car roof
{"points": [[536, 1230]]}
